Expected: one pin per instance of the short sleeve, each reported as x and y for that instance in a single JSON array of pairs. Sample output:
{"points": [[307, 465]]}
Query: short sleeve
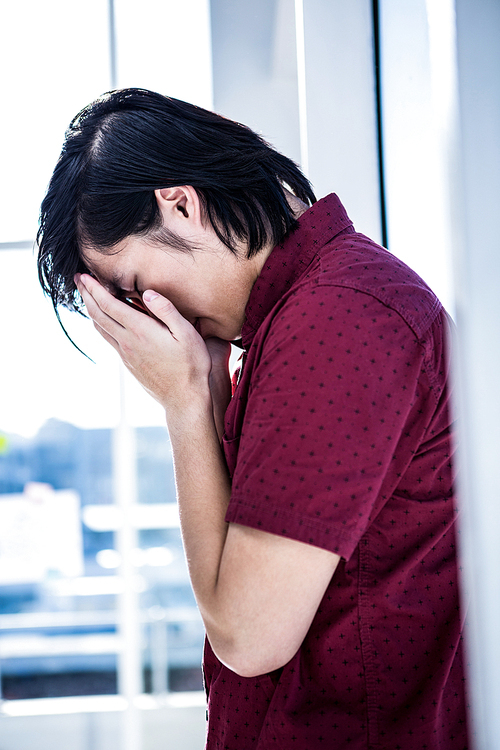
{"points": [[334, 382]]}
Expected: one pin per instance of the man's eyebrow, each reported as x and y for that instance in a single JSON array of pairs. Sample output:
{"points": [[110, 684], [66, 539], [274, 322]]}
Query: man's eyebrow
{"points": [[113, 285], [116, 282]]}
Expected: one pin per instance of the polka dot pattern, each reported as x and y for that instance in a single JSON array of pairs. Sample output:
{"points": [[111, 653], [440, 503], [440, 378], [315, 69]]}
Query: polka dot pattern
{"points": [[338, 435]]}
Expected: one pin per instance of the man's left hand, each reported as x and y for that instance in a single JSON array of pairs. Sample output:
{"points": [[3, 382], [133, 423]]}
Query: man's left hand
{"points": [[165, 353]]}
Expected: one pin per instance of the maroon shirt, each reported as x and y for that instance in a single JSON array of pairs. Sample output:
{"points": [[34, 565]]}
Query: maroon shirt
{"points": [[338, 435]]}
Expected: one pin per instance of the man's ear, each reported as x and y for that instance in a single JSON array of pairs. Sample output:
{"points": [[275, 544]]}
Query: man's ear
{"points": [[179, 204]]}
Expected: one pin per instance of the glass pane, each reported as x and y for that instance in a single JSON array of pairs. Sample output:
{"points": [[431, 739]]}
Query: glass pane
{"points": [[55, 54], [171, 54], [60, 584], [59, 576]]}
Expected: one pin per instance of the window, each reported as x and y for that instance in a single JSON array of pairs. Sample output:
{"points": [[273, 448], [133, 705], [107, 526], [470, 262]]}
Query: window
{"points": [[74, 624]]}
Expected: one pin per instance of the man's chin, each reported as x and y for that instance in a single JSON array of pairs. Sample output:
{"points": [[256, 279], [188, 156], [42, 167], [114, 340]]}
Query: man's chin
{"points": [[207, 332]]}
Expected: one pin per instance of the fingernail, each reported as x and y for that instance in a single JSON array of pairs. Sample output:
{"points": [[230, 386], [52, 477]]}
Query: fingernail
{"points": [[149, 295]]}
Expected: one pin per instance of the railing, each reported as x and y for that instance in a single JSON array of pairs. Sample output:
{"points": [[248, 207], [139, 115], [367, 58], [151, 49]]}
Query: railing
{"points": [[19, 643]]}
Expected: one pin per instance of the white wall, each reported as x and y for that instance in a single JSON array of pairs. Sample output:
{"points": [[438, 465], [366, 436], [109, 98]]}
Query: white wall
{"points": [[256, 81], [475, 185]]}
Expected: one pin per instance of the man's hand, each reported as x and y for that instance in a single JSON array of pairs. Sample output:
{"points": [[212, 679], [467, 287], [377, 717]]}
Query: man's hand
{"points": [[219, 381], [165, 352]]}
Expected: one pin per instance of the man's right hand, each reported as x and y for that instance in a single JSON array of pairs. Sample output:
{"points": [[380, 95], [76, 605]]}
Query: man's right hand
{"points": [[219, 379]]}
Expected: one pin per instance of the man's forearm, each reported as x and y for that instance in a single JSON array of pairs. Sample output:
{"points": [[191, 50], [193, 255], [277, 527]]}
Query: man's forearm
{"points": [[203, 491]]}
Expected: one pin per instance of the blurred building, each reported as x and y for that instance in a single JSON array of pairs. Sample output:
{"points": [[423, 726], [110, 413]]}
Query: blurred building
{"points": [[58, 566]]}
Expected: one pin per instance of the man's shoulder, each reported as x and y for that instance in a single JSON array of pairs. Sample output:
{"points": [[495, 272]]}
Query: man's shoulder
{"points": [[355, 262]]}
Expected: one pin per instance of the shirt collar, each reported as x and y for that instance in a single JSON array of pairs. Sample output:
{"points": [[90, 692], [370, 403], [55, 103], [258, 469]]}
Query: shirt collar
{"points": [[289, 260]]}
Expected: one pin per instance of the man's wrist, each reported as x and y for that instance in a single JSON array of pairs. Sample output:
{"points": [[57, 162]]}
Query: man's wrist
{"points": [[191, 412]]}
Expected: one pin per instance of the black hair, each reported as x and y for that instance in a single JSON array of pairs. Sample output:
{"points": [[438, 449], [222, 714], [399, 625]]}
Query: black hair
{"points": [[130, 142]]}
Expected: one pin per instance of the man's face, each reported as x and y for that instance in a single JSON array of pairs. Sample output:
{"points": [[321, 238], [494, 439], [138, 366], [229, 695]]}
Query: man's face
{"points": [[210, 287]]}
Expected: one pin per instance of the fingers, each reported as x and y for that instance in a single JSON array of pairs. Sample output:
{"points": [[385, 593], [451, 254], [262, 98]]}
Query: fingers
{"points": [[138, 304], [165, 311], [163, 350], [220, 352], [114, 343], [102, 307], [112, 314], [115, 317]]}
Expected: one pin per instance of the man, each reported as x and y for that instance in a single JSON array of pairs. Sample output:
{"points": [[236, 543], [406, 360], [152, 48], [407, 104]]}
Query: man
{"points": [[321, 538]]}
